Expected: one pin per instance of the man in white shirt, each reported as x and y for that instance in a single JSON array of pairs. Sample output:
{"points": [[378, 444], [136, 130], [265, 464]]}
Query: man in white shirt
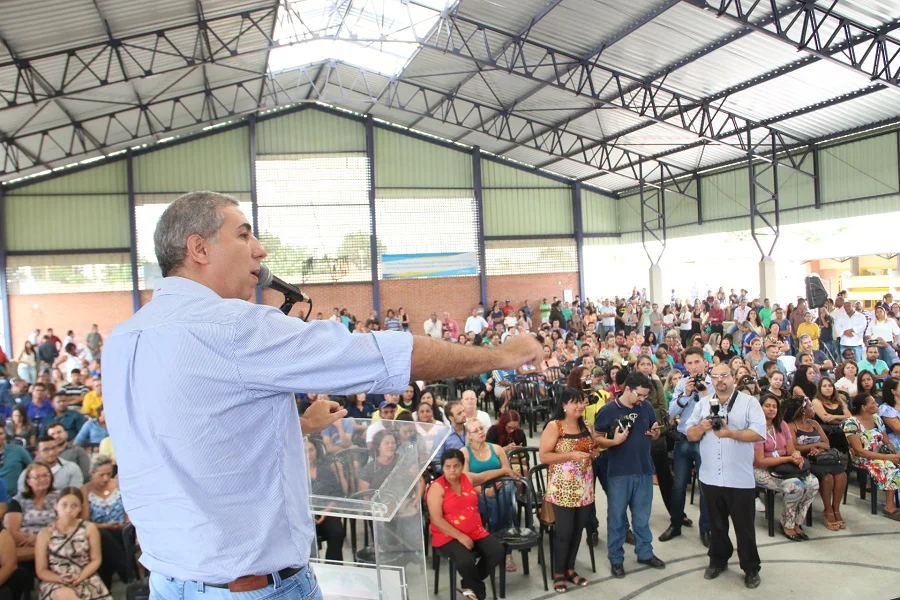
{"points": [[726, 472], [607, 318], [470, 409], [434, 327], [336, 316], [740, 315], [476, 323], [850, 326]]}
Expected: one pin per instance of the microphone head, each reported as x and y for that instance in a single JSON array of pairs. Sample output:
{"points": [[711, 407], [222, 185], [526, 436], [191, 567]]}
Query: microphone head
{"points": [[265, 276]]}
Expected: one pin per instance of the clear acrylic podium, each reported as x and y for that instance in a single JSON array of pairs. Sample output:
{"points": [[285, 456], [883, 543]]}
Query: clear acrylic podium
{"points": [[381, 493]]}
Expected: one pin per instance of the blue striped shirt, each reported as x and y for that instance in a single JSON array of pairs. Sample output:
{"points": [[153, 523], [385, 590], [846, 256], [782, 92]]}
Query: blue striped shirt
{"points": [[184, 382]]}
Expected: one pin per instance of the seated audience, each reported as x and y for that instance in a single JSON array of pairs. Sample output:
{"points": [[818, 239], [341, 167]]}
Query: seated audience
{"points": [[456, 527], [846, 378], [13, 461], [889, 411], [67, 553], [64, 472], [831, 411], [804, 383], [324, 482], [104, 509], [71, 452], [384, 451], [19, 428], [93, 400], [93, 431], [75, 390], [427, 427], [811, 441], [32, 509], [507, 432], [798, 489], [359, 407], [12, 578], [72, 420], [871, 449]]}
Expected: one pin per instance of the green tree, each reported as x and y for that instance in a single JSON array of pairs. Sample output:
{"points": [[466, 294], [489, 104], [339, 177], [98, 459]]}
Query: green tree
{"points": [[356, 249], [284, 259]]}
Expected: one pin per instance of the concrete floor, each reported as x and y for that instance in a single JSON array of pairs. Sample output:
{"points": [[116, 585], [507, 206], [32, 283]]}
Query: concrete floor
{"points": [[860, 558]]}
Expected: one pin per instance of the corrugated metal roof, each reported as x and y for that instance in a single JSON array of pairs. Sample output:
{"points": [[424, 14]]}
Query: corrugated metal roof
{"points": [[480, 65]]}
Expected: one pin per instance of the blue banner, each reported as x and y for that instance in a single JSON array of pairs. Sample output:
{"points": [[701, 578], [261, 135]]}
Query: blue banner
{"points": [[439, 264]]}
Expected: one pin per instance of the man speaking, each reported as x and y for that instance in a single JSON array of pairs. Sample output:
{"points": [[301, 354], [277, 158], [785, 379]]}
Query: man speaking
{"points": [[199, 392]]}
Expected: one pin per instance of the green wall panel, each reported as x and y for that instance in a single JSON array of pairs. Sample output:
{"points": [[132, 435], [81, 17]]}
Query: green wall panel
{"points": [[599, 213], [681, 209], [860, 169], [497, 175], [404, 161], [630, 213], [66, 222], [528, 211], [218, 162], [725, 194], [310, 131], [105, 178]]}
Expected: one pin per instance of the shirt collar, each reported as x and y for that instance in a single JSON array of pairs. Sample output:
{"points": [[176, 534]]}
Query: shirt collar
{"points": [[181, 286]]}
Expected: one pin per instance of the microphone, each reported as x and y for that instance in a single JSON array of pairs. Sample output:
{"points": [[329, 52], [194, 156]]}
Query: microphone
{"points": [[290, 291]]}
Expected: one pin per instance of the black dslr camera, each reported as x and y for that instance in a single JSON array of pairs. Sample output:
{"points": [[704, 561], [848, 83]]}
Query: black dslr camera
{"points": [[747, 380], [714, 417], [699, 382], [623, 423]]}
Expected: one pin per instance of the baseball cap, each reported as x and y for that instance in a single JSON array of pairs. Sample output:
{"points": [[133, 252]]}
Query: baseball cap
{"points": [[387, 403]]}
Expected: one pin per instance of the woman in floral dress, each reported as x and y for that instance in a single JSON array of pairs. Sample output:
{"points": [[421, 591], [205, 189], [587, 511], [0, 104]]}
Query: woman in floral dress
{"points": [[566, 445], [871, 449], [67, 554]]}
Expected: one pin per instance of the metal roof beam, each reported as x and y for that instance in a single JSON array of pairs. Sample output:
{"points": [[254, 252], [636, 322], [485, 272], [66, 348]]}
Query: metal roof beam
{"points": [[562, 70], [819, 29], [93, 66]]}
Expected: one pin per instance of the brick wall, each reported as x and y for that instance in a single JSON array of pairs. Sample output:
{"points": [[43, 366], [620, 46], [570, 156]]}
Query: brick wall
{"points": [[62, 312], [457, 295]]}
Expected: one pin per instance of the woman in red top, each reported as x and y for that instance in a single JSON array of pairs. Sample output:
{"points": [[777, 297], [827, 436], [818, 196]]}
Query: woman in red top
{"points": [[456, 526]]}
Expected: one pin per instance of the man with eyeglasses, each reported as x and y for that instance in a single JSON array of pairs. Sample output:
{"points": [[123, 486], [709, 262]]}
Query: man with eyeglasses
{"points": [[65, 473], [626, 427], [726, 471]]}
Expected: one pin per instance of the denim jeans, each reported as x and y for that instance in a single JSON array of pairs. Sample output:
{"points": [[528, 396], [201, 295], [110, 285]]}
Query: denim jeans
{"points": [[301, 586], [687, 456], [600, 466], [498, 509], [624, 492]]}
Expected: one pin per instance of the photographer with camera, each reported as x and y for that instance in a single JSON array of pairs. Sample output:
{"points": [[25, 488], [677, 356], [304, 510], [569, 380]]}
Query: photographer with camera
{"points": [[687, 454], [727, 424], [626, 426]]}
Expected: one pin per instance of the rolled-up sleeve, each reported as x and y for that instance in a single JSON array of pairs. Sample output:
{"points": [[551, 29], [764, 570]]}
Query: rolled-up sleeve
{"points": [[278, 353]]}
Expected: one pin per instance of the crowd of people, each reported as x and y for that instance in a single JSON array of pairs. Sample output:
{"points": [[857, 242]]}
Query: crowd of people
{"points": [[63, 519], [643, 394]]}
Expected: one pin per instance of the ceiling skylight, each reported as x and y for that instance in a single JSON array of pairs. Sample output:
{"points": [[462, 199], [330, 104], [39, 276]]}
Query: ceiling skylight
{"points": [[377, 35]]}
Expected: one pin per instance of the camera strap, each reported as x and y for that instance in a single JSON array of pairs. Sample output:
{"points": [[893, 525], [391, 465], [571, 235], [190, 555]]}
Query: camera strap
{"points": [[731, 401]]}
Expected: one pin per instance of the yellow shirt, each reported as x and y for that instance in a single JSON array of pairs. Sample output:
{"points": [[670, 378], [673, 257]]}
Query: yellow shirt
{"points": [[812, 329], [590, 411], [376, 416], [106, 448], [92, 401]]}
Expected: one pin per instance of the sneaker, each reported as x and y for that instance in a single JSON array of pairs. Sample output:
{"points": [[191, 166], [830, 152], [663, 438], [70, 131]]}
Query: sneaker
{"points": [[760, 507]]}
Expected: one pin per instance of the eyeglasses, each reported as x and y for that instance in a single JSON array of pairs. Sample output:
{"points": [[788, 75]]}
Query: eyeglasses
{"points": [[720, 376], [38, 477]]}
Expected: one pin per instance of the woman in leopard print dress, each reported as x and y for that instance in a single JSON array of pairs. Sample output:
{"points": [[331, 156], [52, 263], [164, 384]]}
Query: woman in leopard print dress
{"points": [[567, 445]]}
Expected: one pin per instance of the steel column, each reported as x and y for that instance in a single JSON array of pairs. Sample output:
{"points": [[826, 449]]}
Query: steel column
{"points": [[817, 187], [373, 242], [579, 235], [699, 202], [764, 215], [653, 218], [254, 202], [132, 227], [479, 218], [4, 290]]}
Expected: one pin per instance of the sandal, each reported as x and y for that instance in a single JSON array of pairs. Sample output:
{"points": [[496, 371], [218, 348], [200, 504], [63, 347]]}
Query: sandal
{"points": [[831, 524], [510, 564], [840, 519], [576, 579], [891, 515], [559, 584]]}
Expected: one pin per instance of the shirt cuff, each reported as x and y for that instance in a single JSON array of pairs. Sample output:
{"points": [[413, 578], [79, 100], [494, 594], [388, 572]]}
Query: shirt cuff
{"points": [[396, 350]]}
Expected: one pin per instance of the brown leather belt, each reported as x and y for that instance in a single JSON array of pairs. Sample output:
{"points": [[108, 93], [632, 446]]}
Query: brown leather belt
{"points": [[251, 583]]}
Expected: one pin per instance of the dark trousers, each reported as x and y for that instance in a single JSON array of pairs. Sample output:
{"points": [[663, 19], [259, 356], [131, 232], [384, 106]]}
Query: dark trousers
{"points": [[664, 477], [737, 503], [112, 547], [473, 574], [14, 586], [687, 457], [570, 522], [332, 529], [600, 466]]}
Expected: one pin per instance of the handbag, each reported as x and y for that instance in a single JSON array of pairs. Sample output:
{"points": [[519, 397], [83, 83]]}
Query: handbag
{"points": [[547, 514], [791, 470], [827, 457]]}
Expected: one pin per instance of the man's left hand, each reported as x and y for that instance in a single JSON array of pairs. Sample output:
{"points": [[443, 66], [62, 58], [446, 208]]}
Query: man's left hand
{"points": [[653, 432], [725, 432], [320, 415]]}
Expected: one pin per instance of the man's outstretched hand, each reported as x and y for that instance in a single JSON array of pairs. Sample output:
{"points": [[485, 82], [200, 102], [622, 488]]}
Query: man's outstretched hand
{"points": [[320, 415], [521, 350]]}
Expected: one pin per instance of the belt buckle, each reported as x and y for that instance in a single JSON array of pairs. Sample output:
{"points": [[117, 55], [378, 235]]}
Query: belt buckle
{"points": [[248, 583]]}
